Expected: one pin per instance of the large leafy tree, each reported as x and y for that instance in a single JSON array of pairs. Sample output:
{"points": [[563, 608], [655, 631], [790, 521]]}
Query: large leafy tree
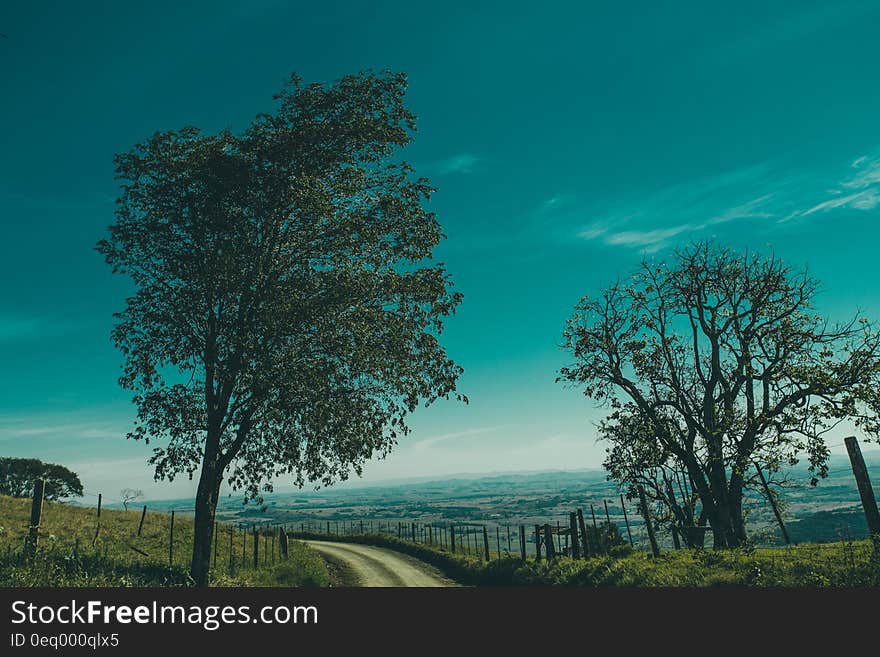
{"points": [[17, 477], [286, 311], [716, 362]]}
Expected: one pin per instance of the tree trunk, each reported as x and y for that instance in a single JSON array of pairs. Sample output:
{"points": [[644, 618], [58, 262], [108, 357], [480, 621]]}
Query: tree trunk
{"points": [[203, 523], [737, 521]]}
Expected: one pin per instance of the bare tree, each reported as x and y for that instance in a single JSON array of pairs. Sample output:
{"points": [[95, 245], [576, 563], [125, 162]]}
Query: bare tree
{"points": [[723, 363], [130, 495]]}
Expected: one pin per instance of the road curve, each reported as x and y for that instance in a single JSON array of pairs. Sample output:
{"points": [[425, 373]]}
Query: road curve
{"points": [[375, 566]]}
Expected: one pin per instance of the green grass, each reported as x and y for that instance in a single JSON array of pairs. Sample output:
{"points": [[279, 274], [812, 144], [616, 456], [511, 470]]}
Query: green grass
{"points": [[69, 553], [846, 564]]}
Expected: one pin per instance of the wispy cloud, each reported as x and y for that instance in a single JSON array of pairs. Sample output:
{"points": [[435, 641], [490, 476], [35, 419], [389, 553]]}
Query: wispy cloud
{"points": [[651, 221], [854, 191], [23, 427], [772, 194], [434, 441], [463, 163]]}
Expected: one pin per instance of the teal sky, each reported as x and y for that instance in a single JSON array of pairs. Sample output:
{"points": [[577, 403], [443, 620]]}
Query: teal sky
{"points": [[566, 140]]}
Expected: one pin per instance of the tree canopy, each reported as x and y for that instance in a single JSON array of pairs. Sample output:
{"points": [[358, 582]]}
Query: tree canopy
{"points": [[715, 363], [17, 477], [286, 311]]}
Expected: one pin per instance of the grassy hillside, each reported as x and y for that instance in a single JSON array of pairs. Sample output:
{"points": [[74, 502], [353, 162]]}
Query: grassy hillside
{"points": [[70, 553]]}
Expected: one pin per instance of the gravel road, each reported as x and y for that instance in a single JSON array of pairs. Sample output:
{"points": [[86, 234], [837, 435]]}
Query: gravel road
{"points": [[375, 566]]}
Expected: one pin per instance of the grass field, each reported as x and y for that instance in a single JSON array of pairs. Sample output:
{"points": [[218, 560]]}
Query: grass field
{"points": [[70, 554]]}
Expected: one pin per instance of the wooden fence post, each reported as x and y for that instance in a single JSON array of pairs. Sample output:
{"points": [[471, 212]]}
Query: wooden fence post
{"points": [[866, 491], [600, 542], [588, 551], [256, 548], [231, 551], [33, 536], [626, 520], [549, 546], [282, 539], [646, 514], [573, 529], [508, 539], [486, 542], [141, 523], [608, 522], [99, 505], [537, 542], [498, 540], [171, 541], [522, 541], [243, 547]]}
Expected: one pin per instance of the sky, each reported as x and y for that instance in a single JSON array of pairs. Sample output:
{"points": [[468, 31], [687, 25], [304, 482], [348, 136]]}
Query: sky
{"points": [[567, 140]]}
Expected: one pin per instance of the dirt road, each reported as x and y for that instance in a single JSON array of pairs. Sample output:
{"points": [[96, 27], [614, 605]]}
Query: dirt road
{"points": [[375, 566]]}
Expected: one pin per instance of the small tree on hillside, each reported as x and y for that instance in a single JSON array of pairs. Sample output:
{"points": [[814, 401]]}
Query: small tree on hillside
{"points": [[286, 311], [130, 495], [17, 477], [717, 361]]}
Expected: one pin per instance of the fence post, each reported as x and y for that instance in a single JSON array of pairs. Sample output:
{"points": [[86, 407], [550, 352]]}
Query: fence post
{"points": [[600, 542], [99, 505], [171, 541], [549, 546], [522, 541], [572, 527], [215, 544], [256, 548], [231, 551], [243, 547], [141, 523], [588, 551], [452, 538], [486, 542], [508, 539], [36, 514], [866, 491], [282, 539], [655, 550], [537, 542], [626, 520]]}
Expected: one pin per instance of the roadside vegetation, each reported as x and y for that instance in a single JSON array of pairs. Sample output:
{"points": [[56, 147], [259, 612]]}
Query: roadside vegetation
{"points": [[809, 565], [70, 554]]}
